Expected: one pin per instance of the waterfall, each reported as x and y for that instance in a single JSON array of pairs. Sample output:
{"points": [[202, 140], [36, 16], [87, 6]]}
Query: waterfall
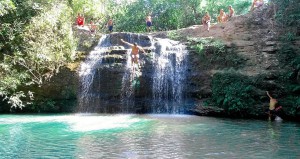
{"points": [[87, 72], [108, 83], [170, 65], [127, 92]]}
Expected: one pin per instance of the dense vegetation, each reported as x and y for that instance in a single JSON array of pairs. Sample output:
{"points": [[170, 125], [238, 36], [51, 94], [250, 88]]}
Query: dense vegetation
{"points": [[36, 40], [288, 15], [167, 15]]}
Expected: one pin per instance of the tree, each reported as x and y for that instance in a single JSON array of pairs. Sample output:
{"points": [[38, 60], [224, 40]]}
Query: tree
{"points": [[36, 39]]}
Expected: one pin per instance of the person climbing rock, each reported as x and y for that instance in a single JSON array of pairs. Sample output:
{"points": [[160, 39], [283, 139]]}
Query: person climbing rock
{"points": [[222, 16], [206, 21], [149, 22], [134, 51], [256, 4], [110, 25], [273, 108]]}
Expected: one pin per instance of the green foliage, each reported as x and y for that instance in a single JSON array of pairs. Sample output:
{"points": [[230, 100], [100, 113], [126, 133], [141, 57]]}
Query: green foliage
{"points": [[288, 12], [173, 35], [92, 9], [289, 54], [291, 105], [6, 6], [43, 105], [235, 93], [214, 52], [47, 105], [288, 37], [49, 43], [168, 15], [288, 16], [35, 41], [213, 7]]}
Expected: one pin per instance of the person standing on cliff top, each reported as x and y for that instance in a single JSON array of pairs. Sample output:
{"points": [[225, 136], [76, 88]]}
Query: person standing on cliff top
{"points": [[110, 25], [206, 21], [222, 16], [92, 27], [149, 22], [134, 51], [80, 20], [256, 4], [231, 12]]}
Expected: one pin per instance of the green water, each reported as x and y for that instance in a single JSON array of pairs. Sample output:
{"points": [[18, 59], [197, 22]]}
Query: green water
{"points": [[91, 136]]}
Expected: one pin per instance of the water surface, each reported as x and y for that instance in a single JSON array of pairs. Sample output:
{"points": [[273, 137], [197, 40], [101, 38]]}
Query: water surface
{"points": [[145, 136]]}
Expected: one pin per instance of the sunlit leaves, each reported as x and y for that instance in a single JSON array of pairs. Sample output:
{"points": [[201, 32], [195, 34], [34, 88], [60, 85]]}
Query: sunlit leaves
{"points": [[36, 40], [6, 6], [49, 42], [169, 15]]}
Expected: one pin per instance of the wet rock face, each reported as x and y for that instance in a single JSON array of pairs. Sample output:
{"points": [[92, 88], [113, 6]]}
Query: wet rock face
{"points": [[142, 40], [110, 83]]}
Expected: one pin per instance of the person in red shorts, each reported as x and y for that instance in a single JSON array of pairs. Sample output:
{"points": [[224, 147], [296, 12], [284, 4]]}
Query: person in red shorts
{"points": [[80, 20]]}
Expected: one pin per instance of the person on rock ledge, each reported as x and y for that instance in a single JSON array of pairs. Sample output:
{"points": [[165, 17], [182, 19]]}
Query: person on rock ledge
{"points": [[149, 23], [231, 13], [206, 21], [92, 27], [110, 25], [80, 20], [134, 51], [222, 17], [257, 4]]}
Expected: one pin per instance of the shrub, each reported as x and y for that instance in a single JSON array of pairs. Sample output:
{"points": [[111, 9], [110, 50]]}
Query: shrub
{"points": [[235, 93]]}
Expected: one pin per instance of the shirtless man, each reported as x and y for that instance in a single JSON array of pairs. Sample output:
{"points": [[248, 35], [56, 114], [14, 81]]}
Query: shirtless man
{"points": [[222, 16], [231, 12], [110, 25], [149, 23], [92, 27], [206, 21], [273, 103], [256, 4], [134, 51]]}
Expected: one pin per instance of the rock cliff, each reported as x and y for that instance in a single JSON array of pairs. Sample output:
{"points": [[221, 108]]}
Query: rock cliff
{"points": [[253, 38]]}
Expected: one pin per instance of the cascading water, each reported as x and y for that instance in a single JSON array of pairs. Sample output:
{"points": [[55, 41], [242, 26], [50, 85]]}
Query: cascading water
{"points": [[87, 73], [127, 95], [170, 65], [109, 84]]}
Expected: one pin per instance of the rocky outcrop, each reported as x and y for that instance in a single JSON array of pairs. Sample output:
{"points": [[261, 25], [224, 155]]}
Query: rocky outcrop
{"points": [[254, 38]]}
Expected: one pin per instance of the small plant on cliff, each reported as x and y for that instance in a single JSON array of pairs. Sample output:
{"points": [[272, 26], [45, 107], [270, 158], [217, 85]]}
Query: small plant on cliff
{"points": [[173, 35], [214, 53]]}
